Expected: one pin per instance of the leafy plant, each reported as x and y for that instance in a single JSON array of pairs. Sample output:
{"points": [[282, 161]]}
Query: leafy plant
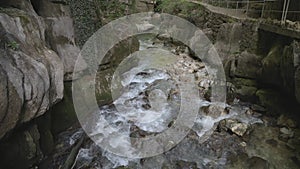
{"points": [[13, 45]]}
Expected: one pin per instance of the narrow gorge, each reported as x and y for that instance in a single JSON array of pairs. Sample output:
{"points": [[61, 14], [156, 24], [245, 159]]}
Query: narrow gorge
{"points": [[42, 44]]}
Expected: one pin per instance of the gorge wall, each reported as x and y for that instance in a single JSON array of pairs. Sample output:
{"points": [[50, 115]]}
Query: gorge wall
{"points": [[38, 51], [261, 66], [37, 54]]}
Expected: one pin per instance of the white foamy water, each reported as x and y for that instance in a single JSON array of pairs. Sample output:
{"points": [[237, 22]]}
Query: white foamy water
{"points": [[147, 106]]}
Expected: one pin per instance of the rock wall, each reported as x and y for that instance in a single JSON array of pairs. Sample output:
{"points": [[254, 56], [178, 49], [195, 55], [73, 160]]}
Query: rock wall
{"points": [[37, 54], [265, 71], [31, 73], [261, 66]]}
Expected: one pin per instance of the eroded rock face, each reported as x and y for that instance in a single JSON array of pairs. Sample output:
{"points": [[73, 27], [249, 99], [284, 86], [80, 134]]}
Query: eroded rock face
{"points": [[32, 73], [38, 52], [60, 33]]}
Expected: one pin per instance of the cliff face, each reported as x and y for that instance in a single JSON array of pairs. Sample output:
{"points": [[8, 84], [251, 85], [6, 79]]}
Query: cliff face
{"points": [[37, 58], [37, 54]]}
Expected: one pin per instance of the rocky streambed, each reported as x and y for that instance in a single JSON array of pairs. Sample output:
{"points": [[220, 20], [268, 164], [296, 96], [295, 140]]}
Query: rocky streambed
{"points": [[232, 135]]}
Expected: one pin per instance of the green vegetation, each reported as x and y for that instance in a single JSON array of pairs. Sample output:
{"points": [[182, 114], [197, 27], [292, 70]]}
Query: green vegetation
{"points": [[174, 7], [110, 9], [13, 45], [182, 8]]}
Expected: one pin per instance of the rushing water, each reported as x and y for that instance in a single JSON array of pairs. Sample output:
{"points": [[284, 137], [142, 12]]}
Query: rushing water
{"points": [[149, 104]]}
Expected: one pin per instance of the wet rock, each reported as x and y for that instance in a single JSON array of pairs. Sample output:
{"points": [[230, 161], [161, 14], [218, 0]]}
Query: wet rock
{"points": [[258, 108], [236, 127], [145, 27], [253, 113], [239, 129], [215, 111], [286, 133], [286, 122], [164, 36]]}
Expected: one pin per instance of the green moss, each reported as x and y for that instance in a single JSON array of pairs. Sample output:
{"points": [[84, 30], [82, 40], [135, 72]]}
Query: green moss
{"points": [[175, 7]]}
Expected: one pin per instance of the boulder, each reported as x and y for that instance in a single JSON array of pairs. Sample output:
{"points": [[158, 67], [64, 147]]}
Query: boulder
{"points": [[246, 65], [236, 127]]}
